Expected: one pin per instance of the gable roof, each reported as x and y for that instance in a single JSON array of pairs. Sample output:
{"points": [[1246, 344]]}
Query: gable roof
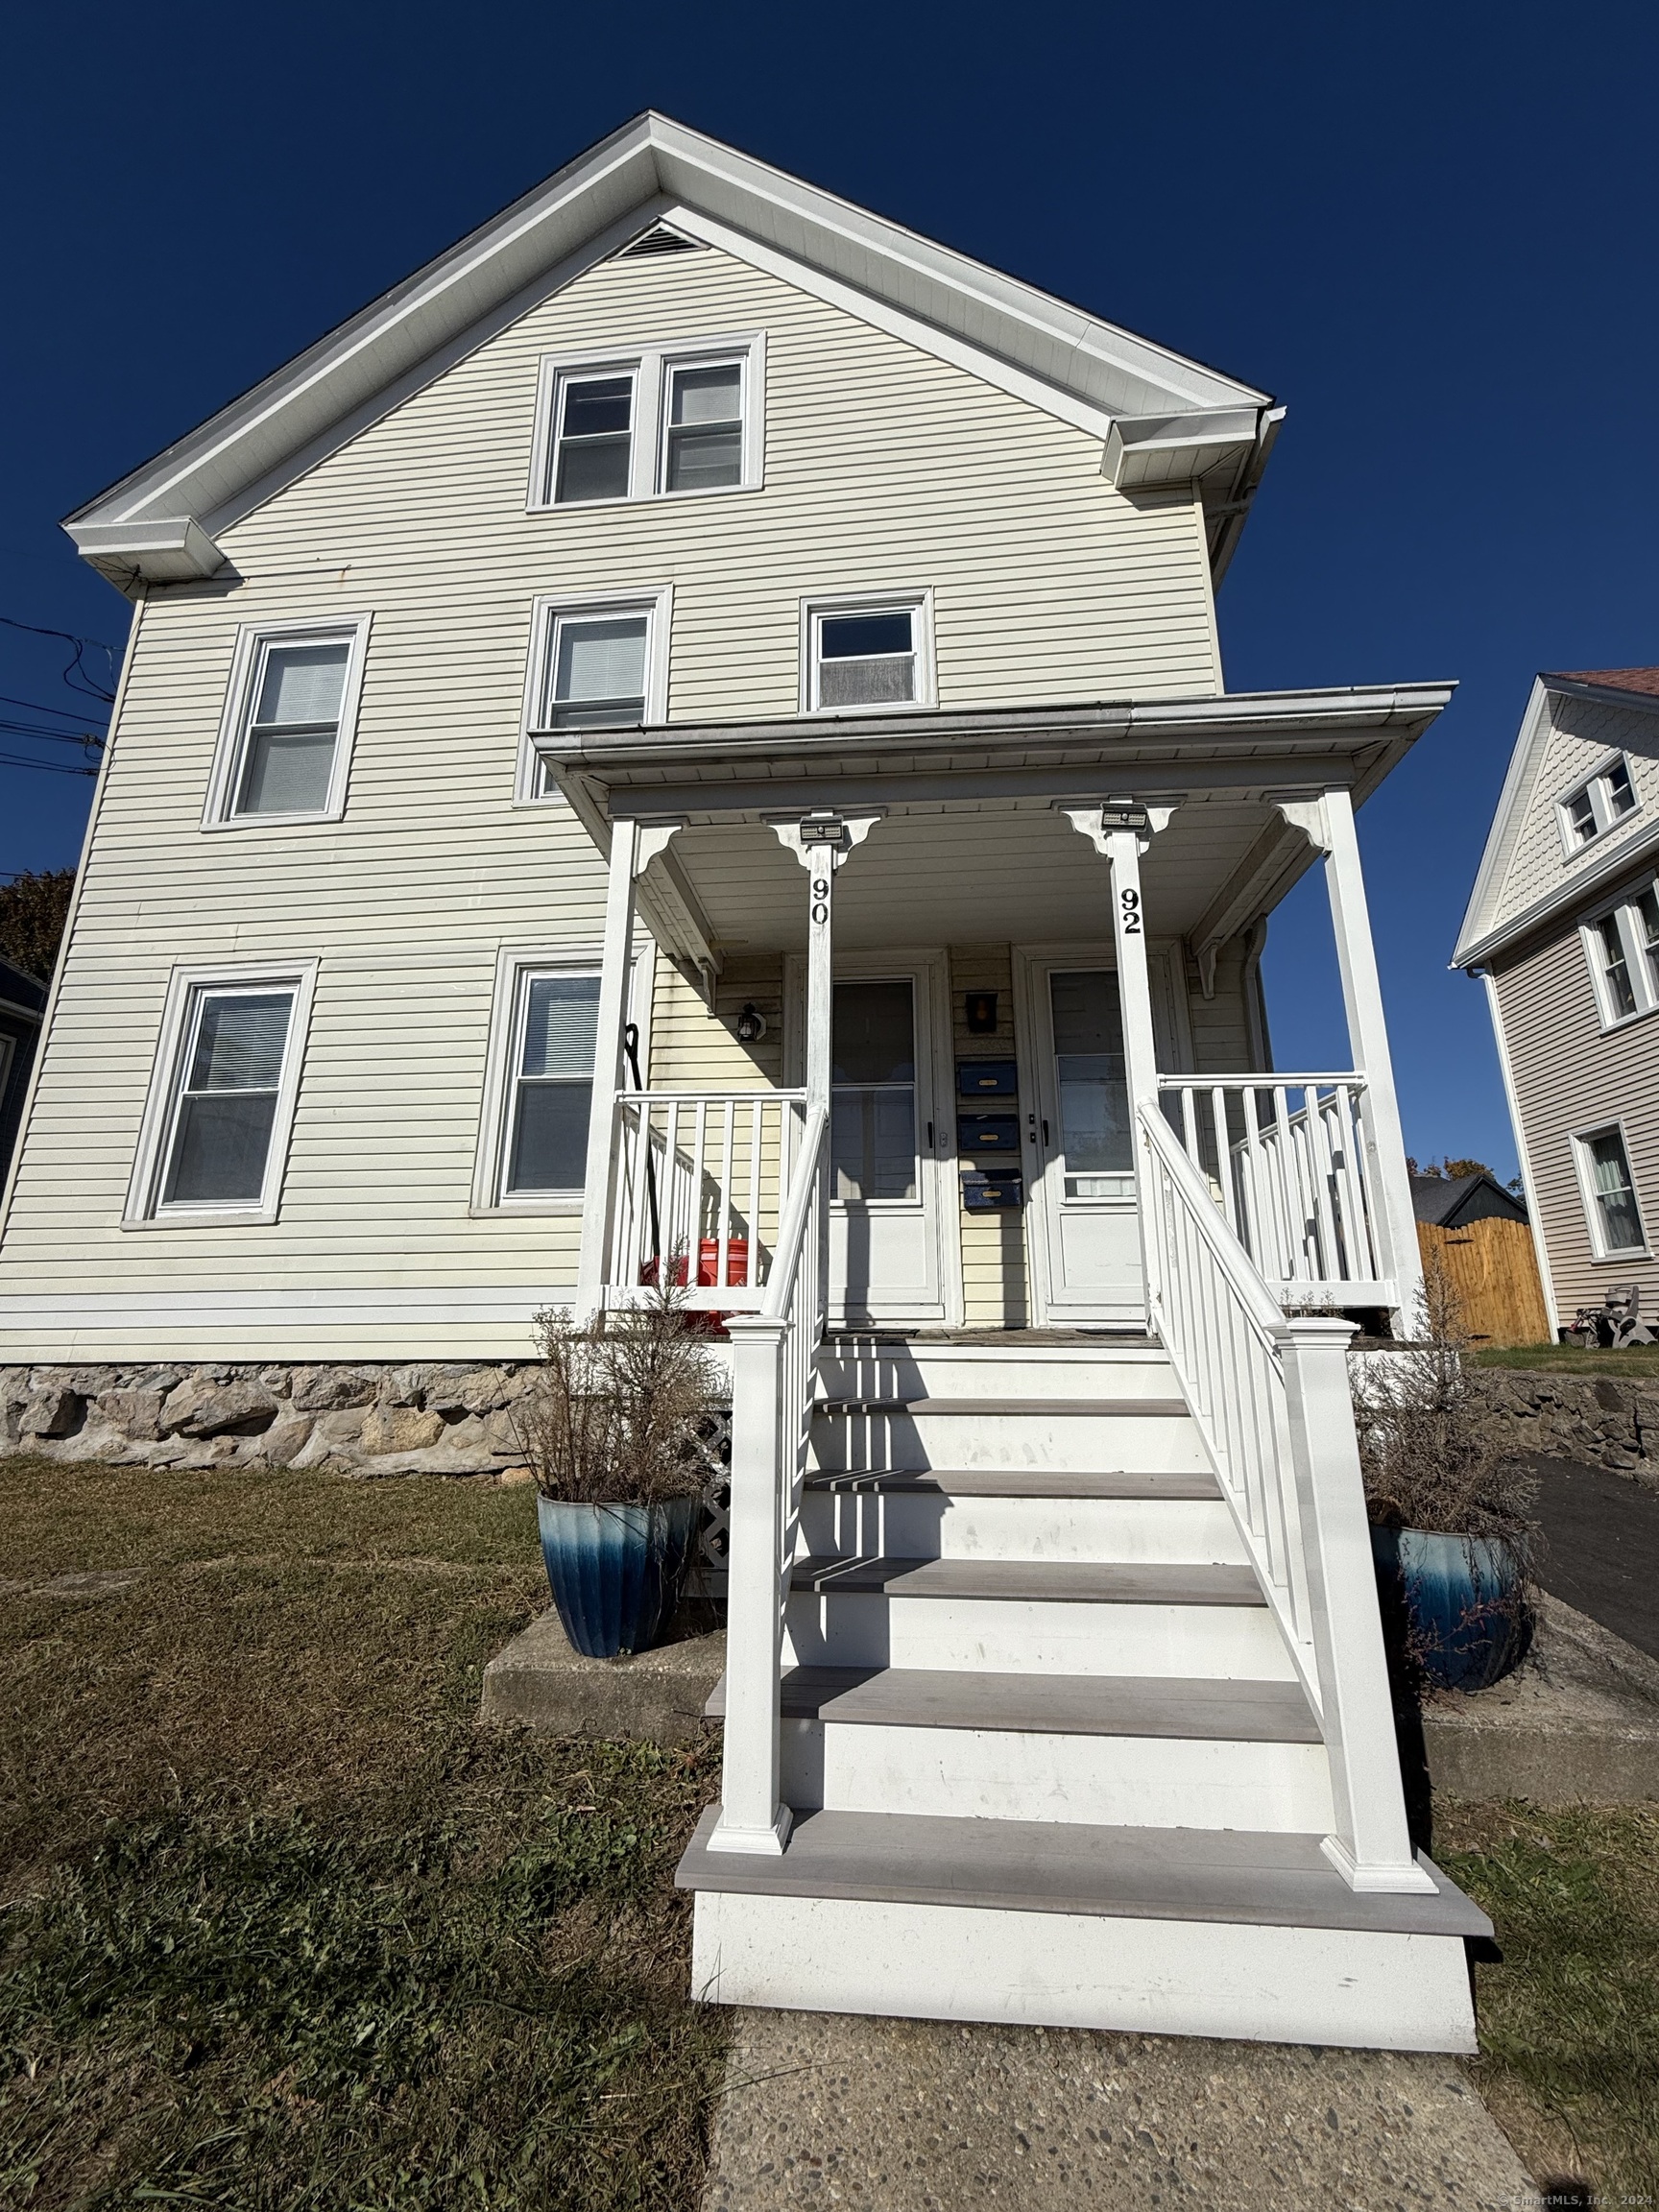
{"points": [[1481, 934], [1161, 417], [1450, 1202]]}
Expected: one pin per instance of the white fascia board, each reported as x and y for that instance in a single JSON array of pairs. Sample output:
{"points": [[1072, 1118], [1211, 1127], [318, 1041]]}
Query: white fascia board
{"points": [[1142, 449], [172, 550], [1579, 888], [1507, 820], [616, 188]]}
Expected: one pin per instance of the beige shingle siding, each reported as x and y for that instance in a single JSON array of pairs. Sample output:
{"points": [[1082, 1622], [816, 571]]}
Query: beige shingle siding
{"points": [[1583, 734], [883, 466], [1569, 1075]]}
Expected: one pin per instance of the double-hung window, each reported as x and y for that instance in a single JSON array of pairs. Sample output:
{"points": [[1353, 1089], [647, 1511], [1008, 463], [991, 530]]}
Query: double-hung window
{"points": [[539, 1091], [285, 739], [1597, 806], [222, 1100], [1609, 1190], [658, 422], [595, 663], [1622, 949], [866, 656]]}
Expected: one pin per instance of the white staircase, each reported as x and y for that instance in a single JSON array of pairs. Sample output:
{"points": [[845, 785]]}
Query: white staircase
{"points": [[1046, 1746]]}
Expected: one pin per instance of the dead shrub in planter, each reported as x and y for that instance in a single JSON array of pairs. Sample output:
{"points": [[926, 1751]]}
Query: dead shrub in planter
{"points": [[617, 1412]]}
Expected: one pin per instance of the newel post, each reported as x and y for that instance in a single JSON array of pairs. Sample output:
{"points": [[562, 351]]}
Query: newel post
{"points": [[753, 1816], [1371, 1844]]}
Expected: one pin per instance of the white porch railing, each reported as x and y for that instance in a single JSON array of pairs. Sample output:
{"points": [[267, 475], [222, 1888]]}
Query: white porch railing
{"points": [[701, 1178], [1286, 1160], [774, 1367], [1271, 1399]]}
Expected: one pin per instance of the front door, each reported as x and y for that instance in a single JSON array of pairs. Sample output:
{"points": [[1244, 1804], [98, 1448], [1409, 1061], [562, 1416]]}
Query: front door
{"points": [[1084, 1227], [886, 1256]]}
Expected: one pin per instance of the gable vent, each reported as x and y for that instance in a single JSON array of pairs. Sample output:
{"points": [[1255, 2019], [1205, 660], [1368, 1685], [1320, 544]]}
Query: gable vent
{"points": [[660, 240]]}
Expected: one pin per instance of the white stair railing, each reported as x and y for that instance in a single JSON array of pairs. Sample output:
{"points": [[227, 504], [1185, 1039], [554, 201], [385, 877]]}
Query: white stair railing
{"points": [[702, 1182], [1270, 1397], [1287, 1160], [774, 1367]]}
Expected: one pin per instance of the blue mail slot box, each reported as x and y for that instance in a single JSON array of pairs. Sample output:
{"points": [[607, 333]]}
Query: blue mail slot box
{"points": [[979, 1133], [987, 1079], [991, 1194]]}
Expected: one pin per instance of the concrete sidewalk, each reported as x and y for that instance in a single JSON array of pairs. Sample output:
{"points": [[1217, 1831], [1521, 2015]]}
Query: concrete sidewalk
{"points": [[923, 2116]]}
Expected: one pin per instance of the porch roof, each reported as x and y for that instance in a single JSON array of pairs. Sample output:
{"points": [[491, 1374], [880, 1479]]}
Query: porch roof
{"points": [[971, 849]]}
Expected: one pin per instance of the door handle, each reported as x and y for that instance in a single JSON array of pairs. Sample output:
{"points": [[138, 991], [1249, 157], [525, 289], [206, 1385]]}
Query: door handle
{"points": [[1045, 1132], [929, 1135]]}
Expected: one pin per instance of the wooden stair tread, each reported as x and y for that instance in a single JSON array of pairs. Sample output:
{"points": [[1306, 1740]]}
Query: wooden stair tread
{"points": [[1174, 1706], [1063, 1581], [1113, 1408], [1230, 1875], [1175, 1485]]}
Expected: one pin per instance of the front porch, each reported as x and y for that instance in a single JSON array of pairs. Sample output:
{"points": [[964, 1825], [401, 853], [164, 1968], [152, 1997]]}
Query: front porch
{"points": [[1055, 1686]]}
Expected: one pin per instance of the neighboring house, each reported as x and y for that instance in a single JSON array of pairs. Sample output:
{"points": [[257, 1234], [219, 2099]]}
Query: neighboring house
{"points": [[22, 997], [1563, 926], [697, 622], [1455, 1201]]}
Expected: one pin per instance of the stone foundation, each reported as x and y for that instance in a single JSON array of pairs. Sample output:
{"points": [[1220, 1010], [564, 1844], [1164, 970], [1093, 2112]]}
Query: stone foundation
{"points": [[1601, 1421], [427, 1418]]}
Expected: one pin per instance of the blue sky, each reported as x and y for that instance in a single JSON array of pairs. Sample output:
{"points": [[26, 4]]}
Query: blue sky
{"points": [[1429, 229]]}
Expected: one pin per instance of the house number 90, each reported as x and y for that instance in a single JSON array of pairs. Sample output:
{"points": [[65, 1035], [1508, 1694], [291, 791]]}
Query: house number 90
{"points": [[1129, 900], [820, 901]]}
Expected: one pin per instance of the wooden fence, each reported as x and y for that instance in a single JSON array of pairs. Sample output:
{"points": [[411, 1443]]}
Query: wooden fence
{"points": [[1493, 1269]]}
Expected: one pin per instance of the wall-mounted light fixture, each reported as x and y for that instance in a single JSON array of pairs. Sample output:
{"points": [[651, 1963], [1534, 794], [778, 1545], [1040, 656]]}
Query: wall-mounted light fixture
{"points": [[751, 1024]]}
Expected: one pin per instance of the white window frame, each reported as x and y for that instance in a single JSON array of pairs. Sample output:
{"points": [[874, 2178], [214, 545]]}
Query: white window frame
{"points": [[231, 749], [656, 602], [917, 604], [1627, 920], [514, 966], [184, 986], [648, 366], [1581, 1142], [1593, 786]]}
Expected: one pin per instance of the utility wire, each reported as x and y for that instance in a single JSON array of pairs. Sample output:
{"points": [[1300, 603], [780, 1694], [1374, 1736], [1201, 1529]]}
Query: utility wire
{"points": [[89, 686], [46, 768]]}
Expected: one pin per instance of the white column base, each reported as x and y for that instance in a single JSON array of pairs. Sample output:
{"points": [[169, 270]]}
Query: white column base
{"points": [[760, 1843], [1397, 1881]]}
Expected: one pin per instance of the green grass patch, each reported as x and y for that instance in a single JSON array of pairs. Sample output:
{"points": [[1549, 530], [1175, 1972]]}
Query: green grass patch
{"points": [[1570, 2021], [1638, 1360], [280, 1926]]}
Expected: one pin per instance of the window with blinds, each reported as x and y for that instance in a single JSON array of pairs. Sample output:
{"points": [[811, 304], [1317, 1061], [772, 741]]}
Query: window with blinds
{"points": [[1623, 948], [1598, 806], [658, 422], [546, 1137], [285, 739]]}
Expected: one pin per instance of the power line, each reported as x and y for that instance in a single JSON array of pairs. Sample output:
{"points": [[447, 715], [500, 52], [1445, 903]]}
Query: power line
{"points": [[39, 707], [46, 768], [89, 686]]}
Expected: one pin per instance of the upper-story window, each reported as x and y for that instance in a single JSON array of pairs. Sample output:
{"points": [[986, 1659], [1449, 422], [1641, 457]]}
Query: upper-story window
{"points": [[1622, 947], [656, 421], [1606, 799], [289, 713], [597, 661], [867, 655]]}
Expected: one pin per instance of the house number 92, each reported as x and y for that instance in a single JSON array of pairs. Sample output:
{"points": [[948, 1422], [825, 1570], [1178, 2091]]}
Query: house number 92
{"points": [[1129, 903]]}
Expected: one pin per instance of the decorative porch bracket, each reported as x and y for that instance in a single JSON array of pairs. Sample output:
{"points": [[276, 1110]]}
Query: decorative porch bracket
{"points": [[1326, 819], [1122, 830], [633, 846]]}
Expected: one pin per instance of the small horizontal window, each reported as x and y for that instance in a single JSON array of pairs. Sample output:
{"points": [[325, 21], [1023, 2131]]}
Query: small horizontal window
{"points": [[663, 422], [874, 656], [1597, 806], [285, 737]]}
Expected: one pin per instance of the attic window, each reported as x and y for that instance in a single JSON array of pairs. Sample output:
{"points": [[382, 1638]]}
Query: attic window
{"points": [[660, 240], [1597, 806], [656, 420]]}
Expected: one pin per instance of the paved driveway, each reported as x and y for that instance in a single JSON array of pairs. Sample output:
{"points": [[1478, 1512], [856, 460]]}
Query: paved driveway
{"points": [[1603, 1557]]}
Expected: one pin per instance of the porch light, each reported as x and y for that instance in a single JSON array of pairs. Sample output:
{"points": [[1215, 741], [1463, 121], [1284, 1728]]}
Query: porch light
{"points": [[824, 829], [1125, 814], [751, 1024]]}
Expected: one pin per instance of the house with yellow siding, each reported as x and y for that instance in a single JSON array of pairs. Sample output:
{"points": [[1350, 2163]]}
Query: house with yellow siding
{"points": [[691, 738]]}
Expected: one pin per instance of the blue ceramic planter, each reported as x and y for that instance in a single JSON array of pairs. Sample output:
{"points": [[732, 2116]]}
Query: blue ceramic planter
{"points": [[615, 1571], [1461, 1594]]}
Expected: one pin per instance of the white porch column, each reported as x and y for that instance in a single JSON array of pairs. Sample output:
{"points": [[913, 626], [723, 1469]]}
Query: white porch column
{"points": [[633, 845], [1122, 829], [1328, 821]]}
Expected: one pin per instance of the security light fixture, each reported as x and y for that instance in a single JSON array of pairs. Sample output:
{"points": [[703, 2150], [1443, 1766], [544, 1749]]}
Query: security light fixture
{"points": [[1125, 814], [751, 1024]]}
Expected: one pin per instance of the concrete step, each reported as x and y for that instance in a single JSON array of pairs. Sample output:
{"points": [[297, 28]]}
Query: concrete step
{"points": [[934, 1522], [1168, 1930], [1092, 1435]]}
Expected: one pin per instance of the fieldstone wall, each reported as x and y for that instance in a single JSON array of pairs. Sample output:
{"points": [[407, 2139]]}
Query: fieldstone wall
{"points": [[430, 1418], [1610, 1421]]}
